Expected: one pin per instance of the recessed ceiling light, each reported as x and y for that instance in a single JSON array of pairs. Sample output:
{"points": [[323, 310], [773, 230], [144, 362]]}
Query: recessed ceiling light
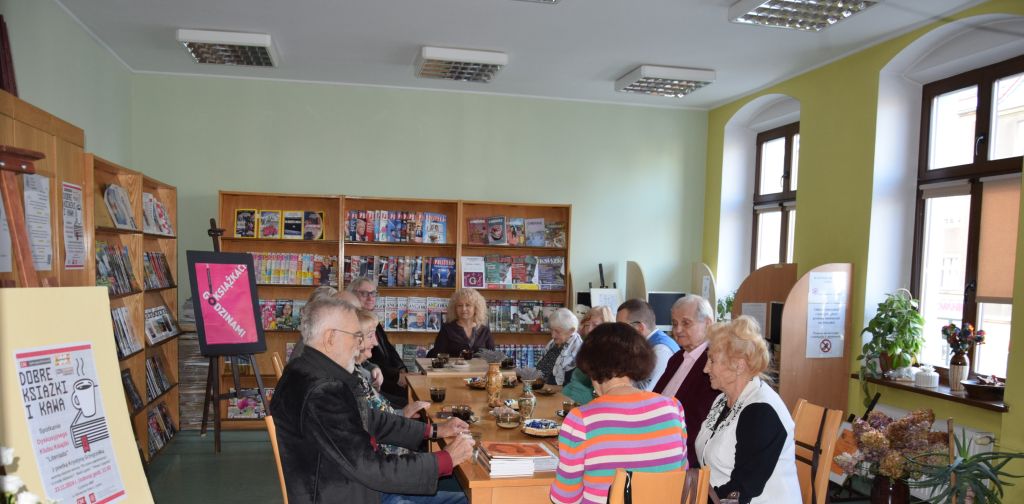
{"points": [[228, 48], [459, 64], [807, 15], [673, 82]]}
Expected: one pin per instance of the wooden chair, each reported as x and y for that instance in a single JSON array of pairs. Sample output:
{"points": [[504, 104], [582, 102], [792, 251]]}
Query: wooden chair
{"points": [[272, 431], [275, 358], [691, 487], [815, 433]]}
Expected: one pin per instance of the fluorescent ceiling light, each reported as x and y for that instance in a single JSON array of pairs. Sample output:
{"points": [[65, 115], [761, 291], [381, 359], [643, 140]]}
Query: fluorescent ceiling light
{"points": [[228, 48], [549, 2], [807, 15], [664, 81], [459, 64]]}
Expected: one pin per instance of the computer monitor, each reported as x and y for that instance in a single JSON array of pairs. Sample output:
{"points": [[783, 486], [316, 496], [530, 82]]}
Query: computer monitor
{"points": [[662, 303]]}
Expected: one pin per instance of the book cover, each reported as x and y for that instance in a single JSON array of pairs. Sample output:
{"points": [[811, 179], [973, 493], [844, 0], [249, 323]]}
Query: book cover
{"points": [[245, 223], [436, 228], [292, 224], [477, 230], [270, 224], [312, 225], [515, 233], [473, 272], [554, 234], [499, 449], [496, 231], [535, 232]]}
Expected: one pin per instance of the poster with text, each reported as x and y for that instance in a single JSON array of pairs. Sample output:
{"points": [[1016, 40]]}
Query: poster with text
{"points": [[74, 229], [227, 313], [5, 241], [826, 314], [37, 220], [67, 424]]}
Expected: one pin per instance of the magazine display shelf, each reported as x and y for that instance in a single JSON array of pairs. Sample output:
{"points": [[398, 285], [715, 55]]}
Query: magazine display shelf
{"points": [[277, 339], [336, 210], [100, 173]]}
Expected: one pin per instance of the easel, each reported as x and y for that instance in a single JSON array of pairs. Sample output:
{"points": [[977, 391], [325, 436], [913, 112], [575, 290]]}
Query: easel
{"points": [[12, 162], [213, 397]]}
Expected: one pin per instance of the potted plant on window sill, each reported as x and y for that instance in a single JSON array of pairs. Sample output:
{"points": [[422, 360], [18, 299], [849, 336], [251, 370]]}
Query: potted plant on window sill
{"points": [[897, 335], [977, 478]]}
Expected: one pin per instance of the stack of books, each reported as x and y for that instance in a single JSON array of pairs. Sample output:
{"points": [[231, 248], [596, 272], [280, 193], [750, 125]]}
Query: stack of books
{"points": [[161, 427], [124, 336], [114, 268], [157, 273], [295, 269], [156, 380], [516, 459]]}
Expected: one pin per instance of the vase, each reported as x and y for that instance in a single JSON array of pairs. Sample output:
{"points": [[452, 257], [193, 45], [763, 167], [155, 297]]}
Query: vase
{"points": [[493, 384], [886, 490], [959, 365], [527, 402]]}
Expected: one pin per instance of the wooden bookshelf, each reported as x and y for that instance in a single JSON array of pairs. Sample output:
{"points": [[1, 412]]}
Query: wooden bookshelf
{"points": [[100, 174], [277, 340]]}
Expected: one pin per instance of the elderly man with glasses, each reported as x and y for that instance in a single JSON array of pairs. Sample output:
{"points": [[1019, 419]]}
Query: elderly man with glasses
{"points": [[329, 440], [384, 354]]}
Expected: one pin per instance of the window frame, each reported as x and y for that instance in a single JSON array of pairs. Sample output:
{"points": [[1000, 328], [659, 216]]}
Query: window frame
{"points": [[973, 173], [776, 202]]}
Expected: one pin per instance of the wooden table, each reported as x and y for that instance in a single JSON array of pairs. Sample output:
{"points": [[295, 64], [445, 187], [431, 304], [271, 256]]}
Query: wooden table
{"points": [[479, 486], [476, 367]]}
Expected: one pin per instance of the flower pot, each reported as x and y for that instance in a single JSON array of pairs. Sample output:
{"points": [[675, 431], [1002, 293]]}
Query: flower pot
{"points": [[959, 365], [889, 491]]}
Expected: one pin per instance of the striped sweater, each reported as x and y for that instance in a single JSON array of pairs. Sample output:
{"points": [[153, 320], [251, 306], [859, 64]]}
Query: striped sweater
{"points": [[643, 432]]}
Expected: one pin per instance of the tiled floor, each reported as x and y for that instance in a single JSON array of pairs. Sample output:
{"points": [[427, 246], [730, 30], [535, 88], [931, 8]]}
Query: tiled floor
{"points": [[188, 471]]}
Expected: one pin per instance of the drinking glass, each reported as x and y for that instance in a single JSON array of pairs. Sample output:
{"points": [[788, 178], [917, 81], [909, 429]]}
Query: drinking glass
{"points": [[437, 394]]}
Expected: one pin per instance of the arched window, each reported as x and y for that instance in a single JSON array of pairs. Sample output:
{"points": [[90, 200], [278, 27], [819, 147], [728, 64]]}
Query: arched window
{"points": [[775, 180]]}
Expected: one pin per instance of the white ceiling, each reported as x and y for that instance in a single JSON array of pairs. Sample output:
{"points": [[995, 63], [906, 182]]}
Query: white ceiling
{"points": [[573, 50]]}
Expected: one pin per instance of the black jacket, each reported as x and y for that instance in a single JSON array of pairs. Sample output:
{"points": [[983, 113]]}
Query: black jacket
{"points": [[327, 438], [390, 362]]}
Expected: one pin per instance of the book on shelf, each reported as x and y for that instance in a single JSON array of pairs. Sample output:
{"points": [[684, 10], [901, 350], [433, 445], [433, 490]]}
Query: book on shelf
{"points": [[155, 217], [130, 391], [161, 427], [473, 272], [114, 268], [156, 380], [554, 234], [292, 224], [119, 206], [156, 272], [160, 324], [396, 226], [496, 231], [245, 222], [124, 335], [535, 231], [313, 225], [249, 406], [270, 224]]}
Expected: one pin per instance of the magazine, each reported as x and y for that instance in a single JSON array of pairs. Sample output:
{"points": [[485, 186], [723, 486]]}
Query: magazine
{"points": [[313, 225], [554, 234], [270, 224], [477, 229], [245, 223], [535, 232], [496, 231], [292, 224], [473, 272], [515, 233], [436, 228], [119, 206]]}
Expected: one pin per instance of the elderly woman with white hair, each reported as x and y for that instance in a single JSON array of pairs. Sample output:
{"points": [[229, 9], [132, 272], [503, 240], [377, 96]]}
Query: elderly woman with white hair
{"points": [[560, 355]]}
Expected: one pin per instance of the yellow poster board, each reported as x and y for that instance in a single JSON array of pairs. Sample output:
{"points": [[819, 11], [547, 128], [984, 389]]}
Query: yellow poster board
{"points": [[51, 317]]}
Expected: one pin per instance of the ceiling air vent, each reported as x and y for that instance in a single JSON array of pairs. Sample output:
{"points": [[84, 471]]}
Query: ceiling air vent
{"points": [[459, 64], [228, 48], [672, 82]]}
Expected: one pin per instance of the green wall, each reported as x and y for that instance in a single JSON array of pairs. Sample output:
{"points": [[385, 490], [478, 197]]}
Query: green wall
{"points": [[60, 68], [837, 115], [635, 176]]}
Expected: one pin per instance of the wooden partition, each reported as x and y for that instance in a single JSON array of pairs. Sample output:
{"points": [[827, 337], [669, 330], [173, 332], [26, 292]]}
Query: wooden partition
{"points": [[636, 285], [767, 284], [821, 381]]}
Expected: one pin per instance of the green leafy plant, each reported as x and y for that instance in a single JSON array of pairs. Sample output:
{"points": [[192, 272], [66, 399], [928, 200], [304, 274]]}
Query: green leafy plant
{"points": [[980, 474], [724, 307], [896, 331]]}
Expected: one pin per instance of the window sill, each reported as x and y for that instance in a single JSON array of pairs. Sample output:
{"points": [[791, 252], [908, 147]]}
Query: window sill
{"points": [[941, 392]]}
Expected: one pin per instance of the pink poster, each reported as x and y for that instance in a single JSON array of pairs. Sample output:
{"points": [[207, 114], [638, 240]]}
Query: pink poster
{"points": [[226, 301]]}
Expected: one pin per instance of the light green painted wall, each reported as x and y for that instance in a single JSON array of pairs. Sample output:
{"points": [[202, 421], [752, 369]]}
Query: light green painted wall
{"points": [[635, 176], [837, 126], [60, 68]]}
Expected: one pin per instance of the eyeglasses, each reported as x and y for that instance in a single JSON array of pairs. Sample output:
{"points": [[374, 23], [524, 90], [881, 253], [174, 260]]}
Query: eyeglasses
{"points": [[359, 336], [365, 294]]}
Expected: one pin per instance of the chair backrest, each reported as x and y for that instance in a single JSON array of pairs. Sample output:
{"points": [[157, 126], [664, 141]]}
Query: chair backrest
{"points": [[697, 486], [815, 433], [275, 358], [277, 454], [648, 487]]}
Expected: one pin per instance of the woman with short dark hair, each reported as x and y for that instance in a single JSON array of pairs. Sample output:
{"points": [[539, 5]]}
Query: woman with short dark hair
{"points": [[624, 427]]}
